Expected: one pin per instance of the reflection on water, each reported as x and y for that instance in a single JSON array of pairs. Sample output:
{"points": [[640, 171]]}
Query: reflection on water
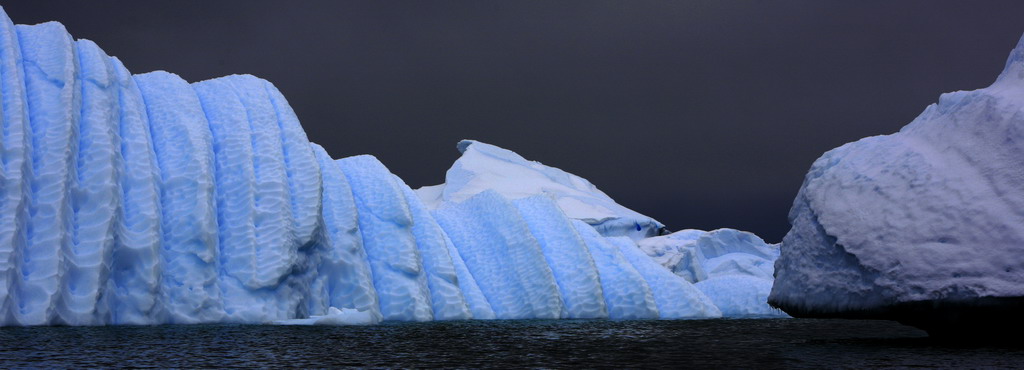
{"points": [[784, 343]]}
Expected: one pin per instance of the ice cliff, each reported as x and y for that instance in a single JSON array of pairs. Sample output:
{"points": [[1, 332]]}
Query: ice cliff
{"points": [[144, 199], [923, 225]]}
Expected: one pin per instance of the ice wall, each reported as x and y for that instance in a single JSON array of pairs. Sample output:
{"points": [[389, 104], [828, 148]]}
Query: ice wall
{"points": [[902, 225], [144, 199]]}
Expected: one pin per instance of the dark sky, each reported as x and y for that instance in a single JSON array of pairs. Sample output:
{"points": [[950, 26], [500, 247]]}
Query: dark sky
{"points": [[701, 114]]}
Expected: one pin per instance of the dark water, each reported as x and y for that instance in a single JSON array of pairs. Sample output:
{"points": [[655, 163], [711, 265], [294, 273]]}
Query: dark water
{"points": [[560, 344]]}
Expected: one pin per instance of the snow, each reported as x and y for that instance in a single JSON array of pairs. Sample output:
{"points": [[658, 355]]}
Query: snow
{"points": [[144, 199], [484, 166], [930, 213]]}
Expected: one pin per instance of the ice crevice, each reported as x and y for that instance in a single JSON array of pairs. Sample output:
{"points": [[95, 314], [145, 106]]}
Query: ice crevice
{"points": [[145, 199]]}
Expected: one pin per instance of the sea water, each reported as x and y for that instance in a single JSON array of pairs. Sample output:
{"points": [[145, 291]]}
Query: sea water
{"points": [[760, 343]]}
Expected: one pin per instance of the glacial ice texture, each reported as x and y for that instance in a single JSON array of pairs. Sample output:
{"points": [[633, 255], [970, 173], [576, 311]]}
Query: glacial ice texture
{"points": [[145, 199], [928, 216]]}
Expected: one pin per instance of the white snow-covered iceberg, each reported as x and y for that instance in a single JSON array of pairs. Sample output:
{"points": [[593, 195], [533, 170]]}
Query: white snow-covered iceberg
{"points": [[487, 167], [925, 225], [144, 199]]}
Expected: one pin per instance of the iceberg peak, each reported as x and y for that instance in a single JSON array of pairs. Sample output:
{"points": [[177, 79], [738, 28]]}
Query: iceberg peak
{"points": [[1014, 68], [488, 167]]}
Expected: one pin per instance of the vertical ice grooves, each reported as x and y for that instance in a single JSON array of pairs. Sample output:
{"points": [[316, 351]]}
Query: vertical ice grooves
{"points": [[51, 93], [675, 297], [182, 142], [626, 292], [300, 164], [146, 200], [15, 171], [479, 308], [385, 222], [344, 272], [502, 256], [567, 255], [272, 256], [136, 264], [95, 194], [445, 295], [232, 147]]}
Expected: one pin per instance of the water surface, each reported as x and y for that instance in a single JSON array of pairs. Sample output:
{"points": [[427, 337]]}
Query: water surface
{"points": [[763, 343]]}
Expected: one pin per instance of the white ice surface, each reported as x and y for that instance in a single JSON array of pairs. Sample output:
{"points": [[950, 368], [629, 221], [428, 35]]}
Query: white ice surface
{"points": [[334, 316], [932, 212], [487, 167], [697, 255]]}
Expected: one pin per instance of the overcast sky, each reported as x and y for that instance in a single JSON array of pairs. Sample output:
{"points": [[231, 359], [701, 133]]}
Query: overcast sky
{"points": [[701, 114]]}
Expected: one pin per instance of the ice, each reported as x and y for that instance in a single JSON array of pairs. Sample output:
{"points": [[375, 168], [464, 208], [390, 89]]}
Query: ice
{"points": [[232, 143], [697, 255], [733, 268], [504, 258], [675, 297], [300, 164], [445, 295], [919, 218], [95, 191], [184, 150], [54, 107], [275, 251], [386, 224], [740, 295], [15, 164], [143, 199], [135, 262], [488, 167], [344, 273], [626, 293], [334, 316], [567, 255]]}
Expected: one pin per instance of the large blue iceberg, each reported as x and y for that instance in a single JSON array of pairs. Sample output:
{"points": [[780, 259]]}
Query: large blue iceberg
{"points": [[144, 199]]}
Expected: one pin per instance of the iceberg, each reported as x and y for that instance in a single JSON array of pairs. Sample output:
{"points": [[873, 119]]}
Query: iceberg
{"points": [[733, 268], [145, 199], [487, 167], [921, 226]]}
